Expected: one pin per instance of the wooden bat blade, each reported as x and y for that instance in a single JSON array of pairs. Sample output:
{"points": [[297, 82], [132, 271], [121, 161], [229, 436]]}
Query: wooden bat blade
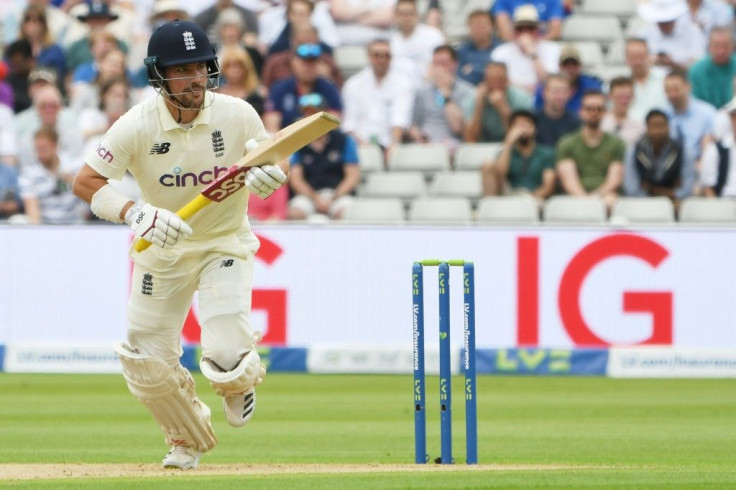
{"points": [[280, 146]]}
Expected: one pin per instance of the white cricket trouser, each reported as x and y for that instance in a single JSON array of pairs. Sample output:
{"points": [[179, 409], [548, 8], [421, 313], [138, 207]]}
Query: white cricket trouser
{"points": [[162, 288]]}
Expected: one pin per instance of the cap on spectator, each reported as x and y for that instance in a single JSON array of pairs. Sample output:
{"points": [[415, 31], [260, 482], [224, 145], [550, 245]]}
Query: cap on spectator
{"points": [[526, 15], [166, 7], [312, 101], [309, 51], [229, 16], [97, 10], [569, 53], [42, 74], [662, 10]]}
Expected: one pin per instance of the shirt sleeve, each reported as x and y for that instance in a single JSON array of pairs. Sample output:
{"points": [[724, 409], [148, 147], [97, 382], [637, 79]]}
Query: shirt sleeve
{"points": [[295, 159], [619, 151], [350, 152], [632, 184], [709, 164], [502, 7], [350, 107], [564, 149], [113, 155], [554, 10]]}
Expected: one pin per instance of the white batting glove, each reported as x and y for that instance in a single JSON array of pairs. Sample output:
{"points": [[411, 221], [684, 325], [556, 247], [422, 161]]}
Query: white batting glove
{"points": [[263, 181], [159, 226]]}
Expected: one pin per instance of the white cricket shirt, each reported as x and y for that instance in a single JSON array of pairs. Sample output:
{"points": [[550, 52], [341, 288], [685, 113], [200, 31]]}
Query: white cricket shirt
{"points": [[173, 165]]}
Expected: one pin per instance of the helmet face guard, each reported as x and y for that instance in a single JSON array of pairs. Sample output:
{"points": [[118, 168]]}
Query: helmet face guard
{"points": [[179, 43]]}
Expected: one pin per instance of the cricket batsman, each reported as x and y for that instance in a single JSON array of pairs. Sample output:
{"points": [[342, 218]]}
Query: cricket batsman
{"points": [[175, 144]]}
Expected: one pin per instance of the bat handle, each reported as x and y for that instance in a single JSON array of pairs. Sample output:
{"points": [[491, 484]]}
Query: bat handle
{"points": [[184, 213]]}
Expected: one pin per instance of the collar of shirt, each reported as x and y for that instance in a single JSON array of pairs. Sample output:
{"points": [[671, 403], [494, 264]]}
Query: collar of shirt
{"points": [[167, 120]]}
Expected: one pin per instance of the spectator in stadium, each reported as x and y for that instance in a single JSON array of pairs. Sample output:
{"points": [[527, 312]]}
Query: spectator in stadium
{"points": [[439, 104], [115, 100], [275, 208], [674, 39], [493, 105], [278, 66], [528, 58], [10, 202], [691, 120], [6, 91], [378, 100], [282, 106], [657, 165], [164, 11], [19, 58], [554, 120], [712, 76], [101, 43], [8, 144], [97, 18], [590, 161], [360, 21], [46, 185], [522, 165], [617, 120], [571, 67], [473, 54], [111, 66], [718, 178], [46, 52], [47, 110], [230, 30], [298, 15], [239, 78], [433, 16], [412, 43], [707, 14], [273, 19], [551, 13], [207, 20], [648, 84], [325, 174]]}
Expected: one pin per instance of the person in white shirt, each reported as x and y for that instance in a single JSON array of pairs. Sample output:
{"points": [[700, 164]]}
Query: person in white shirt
{"points": [[674, 39], [528, 58], [360, 21], [648, 84], [175, 145], [377, 100], [412, 43]]}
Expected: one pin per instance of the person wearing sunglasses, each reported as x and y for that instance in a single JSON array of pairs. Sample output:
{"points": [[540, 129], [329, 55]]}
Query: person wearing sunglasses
{"points": [[590, 161], [551, 13], [529, 58]]}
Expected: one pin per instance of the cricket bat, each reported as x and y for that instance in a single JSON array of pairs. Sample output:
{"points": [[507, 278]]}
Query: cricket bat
{"points": [[281, 145]]}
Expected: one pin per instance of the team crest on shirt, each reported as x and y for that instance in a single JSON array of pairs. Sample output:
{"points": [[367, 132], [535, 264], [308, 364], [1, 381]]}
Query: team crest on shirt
{"points": [[218, 144], [189, 41]]}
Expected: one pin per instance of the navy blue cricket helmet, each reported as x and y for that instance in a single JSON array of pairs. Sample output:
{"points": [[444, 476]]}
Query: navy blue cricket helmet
{"points": [[178, 42]]}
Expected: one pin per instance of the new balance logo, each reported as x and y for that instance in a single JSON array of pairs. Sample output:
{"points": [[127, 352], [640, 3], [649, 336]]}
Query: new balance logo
{"points": [[227, 263], [159, 148]]}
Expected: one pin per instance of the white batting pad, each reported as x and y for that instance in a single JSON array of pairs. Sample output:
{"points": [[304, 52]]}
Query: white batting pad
{"points": [[248, 373], [169, 395]]}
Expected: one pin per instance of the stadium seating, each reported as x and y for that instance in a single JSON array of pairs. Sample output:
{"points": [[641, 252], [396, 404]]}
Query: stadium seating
{"points": [[441, 210], [387, 210], [620, 8], [470, 156], [708, 211], [404, 185], [457, 184], [503, 210], [371, 159], [591, 54], [350, 59], [604, 29], [574, 210], [648, 210], [424, 157]]}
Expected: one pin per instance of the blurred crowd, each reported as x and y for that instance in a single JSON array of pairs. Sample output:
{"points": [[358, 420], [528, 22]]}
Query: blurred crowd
{"points": [[663, 126]]}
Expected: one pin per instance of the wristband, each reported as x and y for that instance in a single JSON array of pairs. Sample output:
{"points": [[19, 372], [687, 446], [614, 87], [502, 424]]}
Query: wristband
{"points": [[107, 203]]}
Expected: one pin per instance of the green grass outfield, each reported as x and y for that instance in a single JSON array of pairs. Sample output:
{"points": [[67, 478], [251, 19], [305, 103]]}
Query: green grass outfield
{"points": [[355, 432]]}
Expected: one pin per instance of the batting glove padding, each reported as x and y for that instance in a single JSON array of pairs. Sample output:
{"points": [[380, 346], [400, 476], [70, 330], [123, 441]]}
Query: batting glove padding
{"points": [[159, 226], [263, 181]]}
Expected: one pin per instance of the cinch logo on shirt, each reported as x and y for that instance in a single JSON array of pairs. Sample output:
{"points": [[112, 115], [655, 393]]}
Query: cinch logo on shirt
{"points": [[190, 179]]}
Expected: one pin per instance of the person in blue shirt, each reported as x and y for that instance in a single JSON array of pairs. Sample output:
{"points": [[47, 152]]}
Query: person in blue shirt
{"points": [[571, 67], [474, 54], [282, 106], [551, 13], [324, 174]]}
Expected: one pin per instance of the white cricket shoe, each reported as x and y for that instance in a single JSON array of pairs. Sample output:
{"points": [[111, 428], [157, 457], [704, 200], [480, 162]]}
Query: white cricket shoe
{"points": [[182, 457], [239, 409]]}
